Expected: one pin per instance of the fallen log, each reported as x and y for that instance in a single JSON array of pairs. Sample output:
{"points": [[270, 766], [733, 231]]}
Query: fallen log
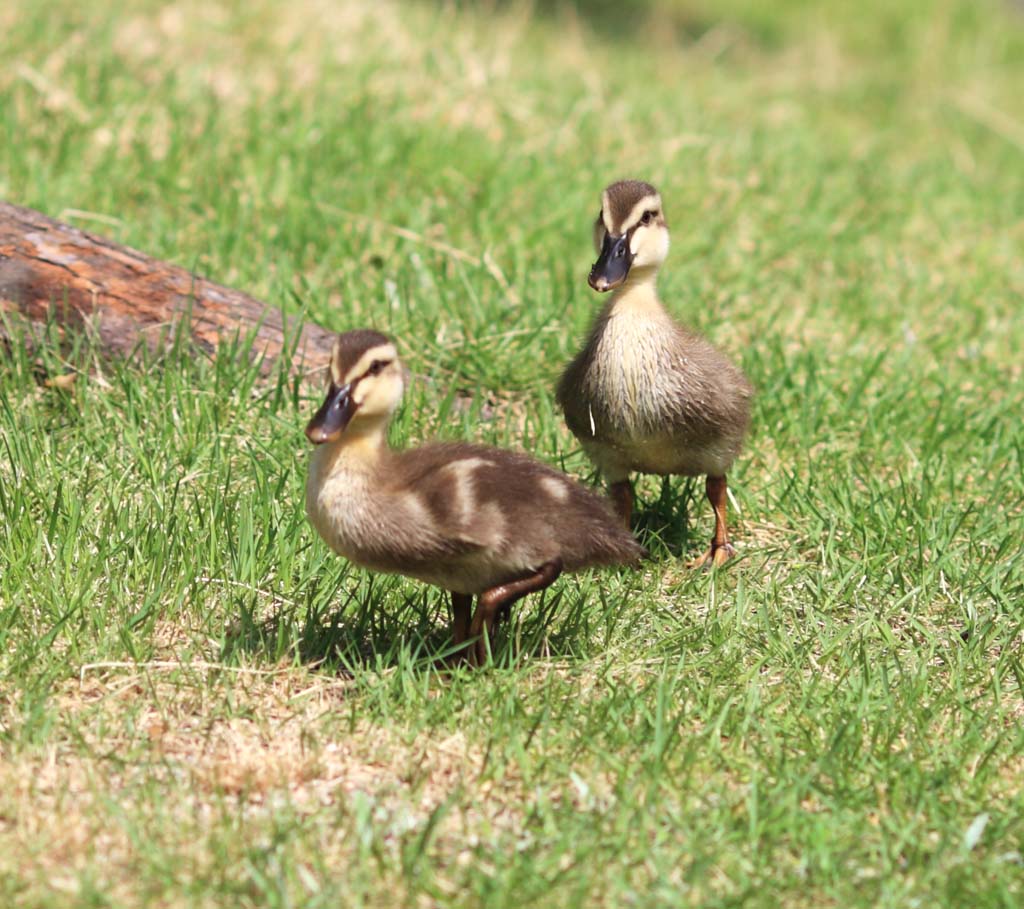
{"points": [[53, 272]]}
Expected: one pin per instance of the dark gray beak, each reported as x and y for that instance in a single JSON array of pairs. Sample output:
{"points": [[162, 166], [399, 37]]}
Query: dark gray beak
{"points": [[334, 414], [612, 265]]}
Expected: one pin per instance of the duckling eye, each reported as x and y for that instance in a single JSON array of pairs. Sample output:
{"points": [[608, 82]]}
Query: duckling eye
{"points": [[648, 216], [376, 367]]}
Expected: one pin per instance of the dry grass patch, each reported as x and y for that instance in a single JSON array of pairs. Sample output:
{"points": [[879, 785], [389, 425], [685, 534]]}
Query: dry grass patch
{"points": [[171, 756]]}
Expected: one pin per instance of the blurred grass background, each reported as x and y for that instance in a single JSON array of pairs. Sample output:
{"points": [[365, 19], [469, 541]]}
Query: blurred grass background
{"points": [[835, 720]]}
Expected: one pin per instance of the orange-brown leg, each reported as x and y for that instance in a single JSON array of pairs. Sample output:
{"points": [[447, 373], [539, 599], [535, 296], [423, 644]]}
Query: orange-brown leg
{"points": [[621, 494], [720, 550], [462, 614], [491, 602]]}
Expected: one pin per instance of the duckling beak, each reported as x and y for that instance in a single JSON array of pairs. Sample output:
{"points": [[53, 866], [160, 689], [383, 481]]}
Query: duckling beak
{"points": [[613, 264], [334, 414]]}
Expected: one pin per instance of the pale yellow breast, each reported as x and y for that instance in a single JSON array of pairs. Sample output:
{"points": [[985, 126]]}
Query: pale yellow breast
{"points": [[628, 379]]}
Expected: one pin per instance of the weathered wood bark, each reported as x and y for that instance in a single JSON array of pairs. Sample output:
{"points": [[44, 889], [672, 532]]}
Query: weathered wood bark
{"points": [[52, 271]]}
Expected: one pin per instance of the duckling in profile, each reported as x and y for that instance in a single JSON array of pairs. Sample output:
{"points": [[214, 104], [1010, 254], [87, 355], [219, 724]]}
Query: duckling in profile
{"points": [[475, 520], [646, 394]]}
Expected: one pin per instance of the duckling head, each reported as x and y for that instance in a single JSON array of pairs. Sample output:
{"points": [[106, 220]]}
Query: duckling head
{"points": [[366, 385], [630, 234]]}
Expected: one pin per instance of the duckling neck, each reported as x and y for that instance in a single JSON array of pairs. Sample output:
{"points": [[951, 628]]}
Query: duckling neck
{"points": [[357, 451], [638, 294]]}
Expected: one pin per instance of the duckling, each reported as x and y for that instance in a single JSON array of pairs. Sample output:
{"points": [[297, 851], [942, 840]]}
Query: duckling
{"points": [[645, 394], [475, 520]]}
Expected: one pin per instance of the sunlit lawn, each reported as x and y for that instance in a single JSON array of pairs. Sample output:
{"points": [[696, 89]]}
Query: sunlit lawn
{"points": [[201, 706]]}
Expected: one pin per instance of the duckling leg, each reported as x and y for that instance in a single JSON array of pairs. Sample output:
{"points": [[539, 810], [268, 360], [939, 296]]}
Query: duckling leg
{"points": [[720, 550], [621, 494], [462, 613], [491, 602]]}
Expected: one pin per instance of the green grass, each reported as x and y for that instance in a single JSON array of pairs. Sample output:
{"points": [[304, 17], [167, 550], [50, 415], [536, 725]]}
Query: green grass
{"points": [[200, 706]]}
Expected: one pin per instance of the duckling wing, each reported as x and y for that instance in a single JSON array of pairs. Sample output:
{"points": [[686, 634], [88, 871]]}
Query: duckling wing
{"points": [[445, 481], [516, 512]]}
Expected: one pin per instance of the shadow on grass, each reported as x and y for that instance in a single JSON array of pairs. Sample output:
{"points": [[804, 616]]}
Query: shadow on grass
{"points": [[372, 626], [663, 524], [384, 627], [659, 20]]}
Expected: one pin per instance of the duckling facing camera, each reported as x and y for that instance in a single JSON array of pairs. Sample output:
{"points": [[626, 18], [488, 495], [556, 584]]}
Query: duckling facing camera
{"points": [[645, 394], [475, 520]]}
